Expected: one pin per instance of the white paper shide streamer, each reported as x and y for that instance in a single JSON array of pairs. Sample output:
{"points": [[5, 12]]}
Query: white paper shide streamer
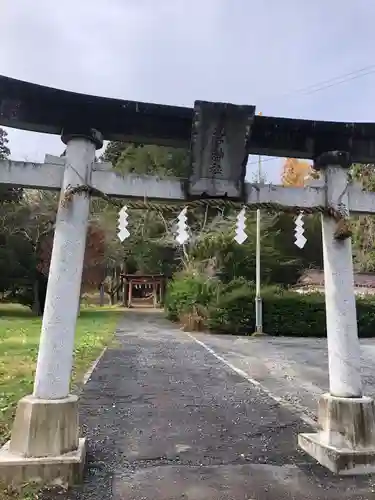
{"points": [[241, 235], [299, 230], [182, 228], [123, 222]]}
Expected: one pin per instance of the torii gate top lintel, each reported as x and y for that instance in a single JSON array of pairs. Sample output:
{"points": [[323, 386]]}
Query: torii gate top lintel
{"points": [[29, 106]]}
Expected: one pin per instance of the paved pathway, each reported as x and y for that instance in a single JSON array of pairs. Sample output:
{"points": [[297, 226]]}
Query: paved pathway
{"points": [[167, 420], [293, 369]]}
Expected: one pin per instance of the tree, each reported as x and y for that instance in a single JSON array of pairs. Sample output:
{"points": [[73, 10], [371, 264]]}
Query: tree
{"points": [[93, 264], [31, 218], [16, 263], [147, 159], [311, 255], [153, 160], [7, 194], [113, 151], [151, 248], [4, 150], [15, 252], [145, 250], [213, 251], [296, 172], [25, 254], [364, 226]]}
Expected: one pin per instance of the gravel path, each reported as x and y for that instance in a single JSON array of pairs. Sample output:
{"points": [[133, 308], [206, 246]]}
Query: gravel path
{"points": [[167, 420]]}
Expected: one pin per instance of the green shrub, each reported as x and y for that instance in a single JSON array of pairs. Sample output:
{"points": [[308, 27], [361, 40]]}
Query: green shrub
{"points": [[198, 302], [233, 311], [293, 314], [285, 313], [235, 284], [366, 317], [188, 296], [274, 290]]}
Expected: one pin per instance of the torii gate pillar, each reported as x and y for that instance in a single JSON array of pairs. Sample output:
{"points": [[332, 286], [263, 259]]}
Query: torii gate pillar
{"points": [[345, 443], [45, 445]]}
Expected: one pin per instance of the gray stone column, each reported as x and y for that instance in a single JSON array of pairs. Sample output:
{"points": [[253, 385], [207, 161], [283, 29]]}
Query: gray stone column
{"points": [[45, 444], [345, 441], [52, 378]]}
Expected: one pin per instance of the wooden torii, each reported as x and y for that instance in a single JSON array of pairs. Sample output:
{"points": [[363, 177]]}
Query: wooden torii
{"points": [[153, 283], [45, 444]]}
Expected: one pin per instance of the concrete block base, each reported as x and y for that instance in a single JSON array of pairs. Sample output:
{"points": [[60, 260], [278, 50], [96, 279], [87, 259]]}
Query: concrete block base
{"points": [[259, 334], [337, 460], [63, 470], [345, 442], [44, 445]]}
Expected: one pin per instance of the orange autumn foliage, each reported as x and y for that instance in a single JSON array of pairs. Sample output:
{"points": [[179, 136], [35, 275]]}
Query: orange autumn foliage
{"points": [[296, 172]]}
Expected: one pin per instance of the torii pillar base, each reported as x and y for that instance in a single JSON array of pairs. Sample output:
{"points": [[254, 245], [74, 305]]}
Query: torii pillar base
{"points": [[45, 447], [345, 443]]}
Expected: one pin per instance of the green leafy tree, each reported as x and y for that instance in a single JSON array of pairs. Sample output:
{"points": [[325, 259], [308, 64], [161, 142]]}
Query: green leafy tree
{"points": [[113, 151], [218, 253], [29, 220], [211, 249], [147, 249], [364, 226], [7, 194], [153, 160], [147, 159], [16, 256], [4, 150]]}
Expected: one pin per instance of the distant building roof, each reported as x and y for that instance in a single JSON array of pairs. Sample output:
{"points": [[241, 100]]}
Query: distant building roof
{"points": [[315, 277]]}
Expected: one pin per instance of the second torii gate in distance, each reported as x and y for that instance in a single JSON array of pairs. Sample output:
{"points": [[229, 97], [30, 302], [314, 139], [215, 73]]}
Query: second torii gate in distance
{"points": [[45, 443], [154, 284]]}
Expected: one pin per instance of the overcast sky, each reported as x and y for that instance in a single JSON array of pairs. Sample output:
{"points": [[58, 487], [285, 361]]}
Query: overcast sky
{"points": [[177, 51]]}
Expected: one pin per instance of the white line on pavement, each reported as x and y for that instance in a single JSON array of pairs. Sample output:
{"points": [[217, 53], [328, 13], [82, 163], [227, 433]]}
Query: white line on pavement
{"points": [[292, 407], [90, 371]]}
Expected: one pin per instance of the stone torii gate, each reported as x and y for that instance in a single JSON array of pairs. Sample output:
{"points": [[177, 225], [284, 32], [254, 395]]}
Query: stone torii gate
{"points": [[45, 443]]}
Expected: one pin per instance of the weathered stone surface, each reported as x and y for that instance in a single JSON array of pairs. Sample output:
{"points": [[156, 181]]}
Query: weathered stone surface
{"points": [[342, 461], [345, 443], [45, 428], [62, 470], [220, 134], [44, 445], [347, 422]]}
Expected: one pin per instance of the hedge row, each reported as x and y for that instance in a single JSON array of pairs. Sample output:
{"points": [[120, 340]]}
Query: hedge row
{"points": [[200, 303]]}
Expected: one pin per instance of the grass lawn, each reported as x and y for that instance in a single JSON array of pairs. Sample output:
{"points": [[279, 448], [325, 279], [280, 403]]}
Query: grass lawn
{"points": [[19, 340]]}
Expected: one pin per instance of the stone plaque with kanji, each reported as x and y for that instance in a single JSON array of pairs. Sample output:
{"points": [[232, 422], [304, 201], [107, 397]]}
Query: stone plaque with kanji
{"points": [[220, 135]]}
